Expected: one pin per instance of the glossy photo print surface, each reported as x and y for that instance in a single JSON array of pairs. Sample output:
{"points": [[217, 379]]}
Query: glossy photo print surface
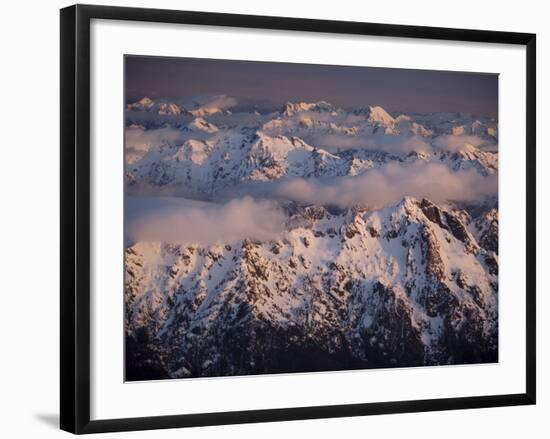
{"points": [[284, 218]]}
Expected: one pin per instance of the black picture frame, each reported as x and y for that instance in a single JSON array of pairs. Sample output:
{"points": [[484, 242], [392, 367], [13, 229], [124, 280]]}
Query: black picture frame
{"points": [[75, 218]]}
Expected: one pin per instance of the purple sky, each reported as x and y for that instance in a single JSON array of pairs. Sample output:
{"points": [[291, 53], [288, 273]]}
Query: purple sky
{"points": [[269, 85]]}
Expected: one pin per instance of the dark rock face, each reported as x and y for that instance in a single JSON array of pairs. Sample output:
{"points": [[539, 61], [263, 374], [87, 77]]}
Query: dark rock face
{"points": [[489, 238], [447, 221], [457, 228], [492, 264], [430, 253], [143, 359], [391, 339], [431, 211]]}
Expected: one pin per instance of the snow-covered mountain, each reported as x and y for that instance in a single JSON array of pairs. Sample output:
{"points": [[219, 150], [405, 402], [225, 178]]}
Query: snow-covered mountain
{"points": [[304, 140], [147, 110], [342, 285]]}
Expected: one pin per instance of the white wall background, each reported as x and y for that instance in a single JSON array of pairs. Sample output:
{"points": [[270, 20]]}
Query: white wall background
{"points": [[29, 248]]}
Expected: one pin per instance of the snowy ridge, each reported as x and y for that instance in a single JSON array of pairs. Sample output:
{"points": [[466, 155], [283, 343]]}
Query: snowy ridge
{"points": [[397, 286]]}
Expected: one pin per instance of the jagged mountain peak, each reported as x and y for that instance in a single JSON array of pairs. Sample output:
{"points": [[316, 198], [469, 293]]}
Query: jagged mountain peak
{"points": [[291, 108], [161, 107], [378, 116], [169, 109], [202, 125], [144, 103], [375, 114], [277, 147]]}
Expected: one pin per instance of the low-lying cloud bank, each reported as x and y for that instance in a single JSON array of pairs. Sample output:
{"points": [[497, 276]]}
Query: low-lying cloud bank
{"points": [[212, 103], [397, 144], [139, 141], [380, 187], [252, 211], [455, 143], [191, 222]]}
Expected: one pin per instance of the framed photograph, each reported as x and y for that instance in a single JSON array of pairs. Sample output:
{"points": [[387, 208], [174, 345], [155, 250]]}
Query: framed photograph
{"points": [[267, 219]]}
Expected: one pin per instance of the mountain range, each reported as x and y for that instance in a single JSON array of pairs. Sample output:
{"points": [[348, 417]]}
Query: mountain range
{"points": [[386, 254]]}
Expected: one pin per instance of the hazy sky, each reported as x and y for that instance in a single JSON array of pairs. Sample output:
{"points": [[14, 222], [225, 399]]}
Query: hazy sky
{"points": [[272, 84]]}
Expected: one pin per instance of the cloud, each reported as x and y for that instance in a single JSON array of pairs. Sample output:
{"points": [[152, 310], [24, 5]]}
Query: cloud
{"points": [[391, 144], [339, 133], [457, 143], [382, 186], [151, 119], [209, 103], [222, 102], [139, 141], [192, 222], [338, 117], [137, 137]]}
